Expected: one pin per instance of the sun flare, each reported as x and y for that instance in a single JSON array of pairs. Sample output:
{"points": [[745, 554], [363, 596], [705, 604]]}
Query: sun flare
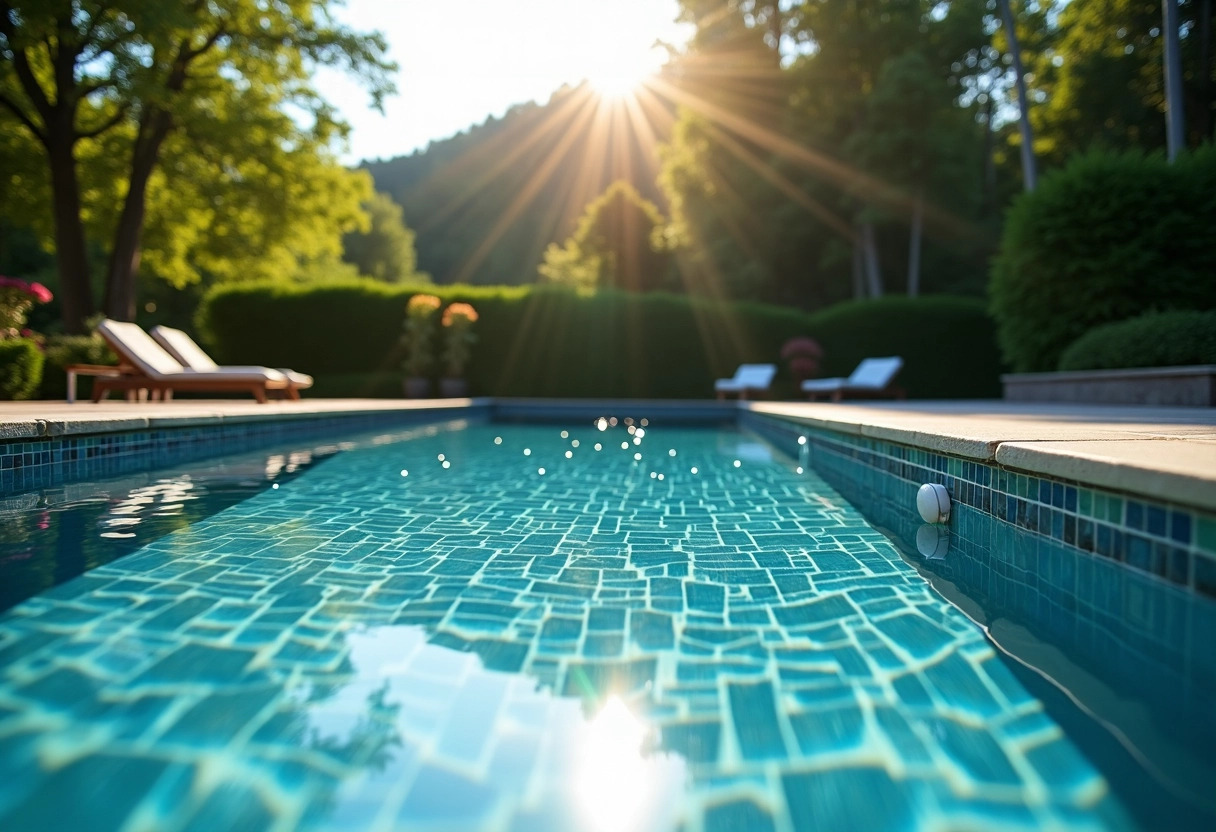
{"points": [[617, 73]]}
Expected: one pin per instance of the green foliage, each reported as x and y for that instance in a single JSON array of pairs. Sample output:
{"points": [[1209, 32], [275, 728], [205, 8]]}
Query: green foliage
{"points": [[20, 368], [385, 250], [1159, 339], [64, 350], [209, 105], [1109, 237], [555, 342], [618, 244]]}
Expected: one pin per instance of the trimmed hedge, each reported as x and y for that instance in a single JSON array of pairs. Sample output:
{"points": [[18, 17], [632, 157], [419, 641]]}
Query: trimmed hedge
{"points": [[21, 362], [63, 350], [1161, 339], [547, 341], [1107, 238]]}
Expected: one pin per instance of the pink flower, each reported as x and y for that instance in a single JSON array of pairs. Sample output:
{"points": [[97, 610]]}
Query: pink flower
{"points": [[36, 291]]}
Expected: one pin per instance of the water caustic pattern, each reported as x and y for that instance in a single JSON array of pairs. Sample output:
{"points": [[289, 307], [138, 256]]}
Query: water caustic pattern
{"points": [[617, 643]]}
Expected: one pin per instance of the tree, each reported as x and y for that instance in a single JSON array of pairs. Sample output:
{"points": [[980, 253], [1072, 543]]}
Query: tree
{"points": [[386, 250], [139, 72], [1029, 173], [618, 244]]}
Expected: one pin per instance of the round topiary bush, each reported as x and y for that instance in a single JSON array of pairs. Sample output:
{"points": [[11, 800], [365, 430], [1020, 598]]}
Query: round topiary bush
{"points": [[1160, 339], [1109, 237], [20, 368]]}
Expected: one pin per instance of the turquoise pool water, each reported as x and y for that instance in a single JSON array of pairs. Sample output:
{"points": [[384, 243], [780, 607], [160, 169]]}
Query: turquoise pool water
{"points": [[502, 627]]}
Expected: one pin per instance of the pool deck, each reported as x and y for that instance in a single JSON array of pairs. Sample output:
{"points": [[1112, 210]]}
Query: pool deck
{"points": [[1162, 452]]}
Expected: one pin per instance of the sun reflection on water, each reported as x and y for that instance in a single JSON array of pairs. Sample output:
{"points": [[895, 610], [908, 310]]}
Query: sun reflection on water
{"points": [[617, 787]]}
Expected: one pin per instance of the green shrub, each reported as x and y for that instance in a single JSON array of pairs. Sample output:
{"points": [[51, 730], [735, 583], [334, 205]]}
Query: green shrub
{"points": [[548, 341], [64, 350], [1160, 339], [20, 368], [1108, 237]]}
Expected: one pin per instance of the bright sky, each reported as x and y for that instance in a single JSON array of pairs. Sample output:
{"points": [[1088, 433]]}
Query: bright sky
{"points": [[463, 61]]}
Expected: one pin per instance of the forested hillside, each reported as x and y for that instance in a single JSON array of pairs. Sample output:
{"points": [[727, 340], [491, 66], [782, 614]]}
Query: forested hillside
{"points": [[486, 202]]}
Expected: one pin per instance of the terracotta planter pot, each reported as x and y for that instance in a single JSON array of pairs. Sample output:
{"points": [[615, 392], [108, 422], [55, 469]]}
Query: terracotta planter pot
{"points": [[453, 388], [417, 388]]}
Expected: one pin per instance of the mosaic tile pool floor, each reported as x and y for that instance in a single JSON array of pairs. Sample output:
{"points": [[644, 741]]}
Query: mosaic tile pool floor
{"points": [[675, 631]]}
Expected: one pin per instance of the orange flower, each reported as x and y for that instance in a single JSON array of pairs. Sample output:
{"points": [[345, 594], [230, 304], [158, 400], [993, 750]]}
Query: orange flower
{"points": [[423, 305], [459, 310]]}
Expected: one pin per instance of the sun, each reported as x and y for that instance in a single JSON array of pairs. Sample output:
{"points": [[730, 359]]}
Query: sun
{"points": [[621, 73]]}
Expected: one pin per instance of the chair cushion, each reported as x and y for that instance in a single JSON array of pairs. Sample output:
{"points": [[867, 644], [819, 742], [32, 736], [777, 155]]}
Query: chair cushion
{"points": [[822, 385], [876, 373], [137, 347], [182, 347]]}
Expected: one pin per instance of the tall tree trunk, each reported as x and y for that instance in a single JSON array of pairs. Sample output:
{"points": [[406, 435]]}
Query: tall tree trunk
{"points": [[859, 286], [124, 257], [1029, 174], [988, 186], [1175, 131], [1203, 113], [870, 249], [71, 253], [918, 222]]}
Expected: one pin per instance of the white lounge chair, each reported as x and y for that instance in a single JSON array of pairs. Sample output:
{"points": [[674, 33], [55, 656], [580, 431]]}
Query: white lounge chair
{"points": [[187, 351], [143, 365], [872, 379], [755, 378]]}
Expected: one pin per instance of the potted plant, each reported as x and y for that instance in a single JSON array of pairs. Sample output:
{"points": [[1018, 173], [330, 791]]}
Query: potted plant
{"points": [[803, 356], [419, 330], [458, 340]]}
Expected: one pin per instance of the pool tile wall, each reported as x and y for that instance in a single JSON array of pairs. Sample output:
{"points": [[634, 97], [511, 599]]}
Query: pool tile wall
{"points": [[26, 465], [1173, 542]]}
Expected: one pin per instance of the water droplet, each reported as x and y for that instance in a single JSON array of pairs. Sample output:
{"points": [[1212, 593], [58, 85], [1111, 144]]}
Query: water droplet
{"points": [[527, 452], [654, 474], [637, 457], [672, 452], [276, 485], [801, 440], [441, 457], [497, 440], [602, 423], [447, 464], [612, 421], [798, 470], [540, 471], [694, 469], [660, 476], [404, 473], [565, 434], [569, 454], [573, 443], [640, 433], [738, 463], [637, 441], [624, 446], [645, 422], [632, 430], [598, 446]]}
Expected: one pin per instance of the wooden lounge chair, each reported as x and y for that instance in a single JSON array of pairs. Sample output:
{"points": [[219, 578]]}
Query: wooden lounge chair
{"points": [[143, 365], [191, 356], [872, 379], [749, 378]]}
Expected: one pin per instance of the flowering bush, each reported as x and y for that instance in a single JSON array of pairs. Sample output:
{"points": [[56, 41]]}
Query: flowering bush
{"points": [[419, 330], [803, 355], [17, 298], [458, 320]]}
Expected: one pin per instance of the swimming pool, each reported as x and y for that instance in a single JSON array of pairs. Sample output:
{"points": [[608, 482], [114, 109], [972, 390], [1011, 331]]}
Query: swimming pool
{"points": [[508, 627]]}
